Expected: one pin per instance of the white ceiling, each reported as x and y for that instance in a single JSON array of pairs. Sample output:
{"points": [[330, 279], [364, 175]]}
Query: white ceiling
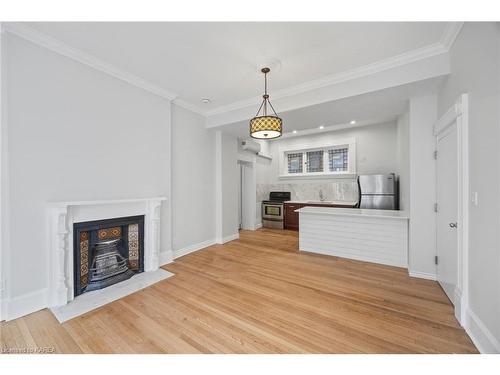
{"points": [[372, 108], [220, 61]]}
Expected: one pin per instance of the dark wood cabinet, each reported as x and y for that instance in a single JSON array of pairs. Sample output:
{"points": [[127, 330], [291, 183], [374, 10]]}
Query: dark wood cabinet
{"points": [[292, 217]]}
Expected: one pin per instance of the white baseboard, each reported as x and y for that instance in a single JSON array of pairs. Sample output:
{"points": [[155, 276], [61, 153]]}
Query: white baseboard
{"points": [[25, 304], [423, 275], [482, 337], [229, 238], [201, 245], [192, 248], [37, 300], [459, 302], [165, 258], [3, 305], [258, 225]]}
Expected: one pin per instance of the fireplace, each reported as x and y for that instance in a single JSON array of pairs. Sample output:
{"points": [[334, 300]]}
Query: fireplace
{"points": [[107, 252]]}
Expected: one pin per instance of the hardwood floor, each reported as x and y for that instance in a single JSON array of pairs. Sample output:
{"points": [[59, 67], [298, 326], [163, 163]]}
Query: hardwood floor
{"points": [[258, 294]]}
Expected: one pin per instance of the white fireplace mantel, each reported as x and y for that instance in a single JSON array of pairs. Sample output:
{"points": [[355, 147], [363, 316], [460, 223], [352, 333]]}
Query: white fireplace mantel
{"points": [[62, 216]]}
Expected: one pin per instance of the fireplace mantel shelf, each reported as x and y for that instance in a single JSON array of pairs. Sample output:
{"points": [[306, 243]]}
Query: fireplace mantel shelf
{"points": [[105, 201]]}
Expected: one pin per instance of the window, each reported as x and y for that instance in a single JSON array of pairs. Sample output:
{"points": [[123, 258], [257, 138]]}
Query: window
{"points": [[314, 161], [295, 163], [319, 160], [338, 160]]}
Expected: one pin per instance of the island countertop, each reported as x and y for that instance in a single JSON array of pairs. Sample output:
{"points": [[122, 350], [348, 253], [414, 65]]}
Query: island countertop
{"points": [[354, 212], [325, 203]]}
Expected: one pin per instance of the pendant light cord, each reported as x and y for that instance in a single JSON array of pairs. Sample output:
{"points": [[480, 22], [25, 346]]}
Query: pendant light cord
{"points": [[258, 111], [266, 100], [272, 108], [265, 94], [265, 84]]}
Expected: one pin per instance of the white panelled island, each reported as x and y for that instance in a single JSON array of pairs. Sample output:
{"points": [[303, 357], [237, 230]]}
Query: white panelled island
{"points": [[378, 236]]}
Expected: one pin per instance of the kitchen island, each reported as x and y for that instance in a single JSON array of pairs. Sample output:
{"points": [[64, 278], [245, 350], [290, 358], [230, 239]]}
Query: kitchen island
{"points": [[378, 236]]}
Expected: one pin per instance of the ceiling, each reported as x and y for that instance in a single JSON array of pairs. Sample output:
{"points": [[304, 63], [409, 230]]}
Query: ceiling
{"points": [[221, 61], [372, 108]]}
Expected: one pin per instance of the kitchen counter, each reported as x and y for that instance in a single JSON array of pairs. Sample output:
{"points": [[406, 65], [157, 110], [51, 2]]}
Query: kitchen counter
{"points": [[378, 236], [355, 212], [326, 203]]}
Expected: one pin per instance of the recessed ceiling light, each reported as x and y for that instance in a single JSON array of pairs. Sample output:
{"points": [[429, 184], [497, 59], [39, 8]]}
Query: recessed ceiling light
{"points": [[321, 127], [206, 101], [294, 132], [353, 122]]}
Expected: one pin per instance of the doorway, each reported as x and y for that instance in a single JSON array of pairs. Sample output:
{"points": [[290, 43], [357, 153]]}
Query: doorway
{"points": [[246, 195]]}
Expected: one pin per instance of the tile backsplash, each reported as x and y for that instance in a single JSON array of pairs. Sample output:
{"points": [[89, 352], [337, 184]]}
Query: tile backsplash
{"points": [[339, 190]]}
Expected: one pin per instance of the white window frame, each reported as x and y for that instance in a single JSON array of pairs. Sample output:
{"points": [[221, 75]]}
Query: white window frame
{"points": [[317, 146]]}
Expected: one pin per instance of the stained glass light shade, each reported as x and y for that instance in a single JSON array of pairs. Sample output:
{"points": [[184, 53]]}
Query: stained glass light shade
{"points": [[266, 127]]}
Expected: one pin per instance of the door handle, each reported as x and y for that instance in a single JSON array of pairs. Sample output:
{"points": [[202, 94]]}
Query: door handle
{"points": [[453, 225]]}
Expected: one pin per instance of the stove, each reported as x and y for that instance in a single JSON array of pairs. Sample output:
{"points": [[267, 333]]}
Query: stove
{"points": [[278, 197], [273, 210]]}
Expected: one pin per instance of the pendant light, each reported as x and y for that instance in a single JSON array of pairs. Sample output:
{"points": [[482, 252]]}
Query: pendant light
{"points": [[265, 126]]}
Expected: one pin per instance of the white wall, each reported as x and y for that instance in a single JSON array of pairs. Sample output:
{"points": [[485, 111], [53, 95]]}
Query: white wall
{"points": [[475, 65], [376, 150], [193, 179], [248, 196], [3, 144], [403, 136], [74, 133], [226, 188], [422, 117], [251, 164], [230, 177]]}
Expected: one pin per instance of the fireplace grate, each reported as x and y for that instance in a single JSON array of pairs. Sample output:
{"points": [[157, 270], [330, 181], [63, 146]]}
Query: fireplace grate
{"points": [[107, 265]]}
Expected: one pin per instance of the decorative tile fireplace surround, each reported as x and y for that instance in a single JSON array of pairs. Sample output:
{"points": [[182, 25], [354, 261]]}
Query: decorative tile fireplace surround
{"points": [[63, 216]]}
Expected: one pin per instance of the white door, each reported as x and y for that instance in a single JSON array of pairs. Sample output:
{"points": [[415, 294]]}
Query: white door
{"points": [[447, 213]]}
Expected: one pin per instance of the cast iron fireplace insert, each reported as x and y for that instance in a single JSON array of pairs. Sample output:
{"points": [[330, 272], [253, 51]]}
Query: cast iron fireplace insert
{"points": [[107, 252]]}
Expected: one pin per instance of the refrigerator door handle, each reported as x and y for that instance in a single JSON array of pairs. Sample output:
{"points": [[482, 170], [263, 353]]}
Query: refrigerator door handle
{"points": [[359, 194]]}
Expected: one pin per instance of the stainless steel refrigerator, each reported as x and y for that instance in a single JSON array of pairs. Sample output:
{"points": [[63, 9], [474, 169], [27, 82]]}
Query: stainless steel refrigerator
{"points": [[378, 191]]}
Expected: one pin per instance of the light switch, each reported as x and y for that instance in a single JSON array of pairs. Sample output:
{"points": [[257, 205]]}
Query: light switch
{"points": [[474, 198]]}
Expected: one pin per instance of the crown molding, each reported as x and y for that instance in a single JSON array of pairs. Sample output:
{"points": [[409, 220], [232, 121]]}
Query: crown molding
{"points": [[183, 104], [61, 48], [363, 71], [450, 34], [445, 43], [443, 46]]}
